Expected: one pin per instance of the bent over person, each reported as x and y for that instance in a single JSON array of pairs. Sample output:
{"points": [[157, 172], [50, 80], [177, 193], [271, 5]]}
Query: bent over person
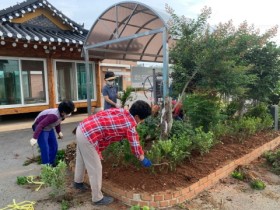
{"points": [[98, 131], [44, 133]]}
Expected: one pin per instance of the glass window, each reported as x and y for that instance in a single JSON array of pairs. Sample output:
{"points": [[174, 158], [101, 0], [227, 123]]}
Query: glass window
{"points": [[10, 90], [71, 80], [82, 81], [33, 82], [66, 81]]}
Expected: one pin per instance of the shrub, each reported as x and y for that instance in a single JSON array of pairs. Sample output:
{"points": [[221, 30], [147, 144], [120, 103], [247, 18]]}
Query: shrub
{"points": [[202, 110], [22, 180], [126, 96], [180, 127], [60, 156], [170, 152], [257, 184], [54, 177], [273, 158], [237, 175], [202, 141], [149, 129]]}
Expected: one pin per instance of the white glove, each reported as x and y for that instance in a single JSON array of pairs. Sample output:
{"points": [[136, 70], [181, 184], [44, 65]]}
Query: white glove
{"points": [[33, 142], [118, 106], [60, 135]]}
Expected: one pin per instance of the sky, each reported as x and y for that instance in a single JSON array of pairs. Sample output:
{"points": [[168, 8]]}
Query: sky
{"points": [[263, 14]]}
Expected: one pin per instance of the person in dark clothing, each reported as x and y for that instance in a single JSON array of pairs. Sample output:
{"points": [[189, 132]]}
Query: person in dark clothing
{"points": [[110, 91], [44, 133]]}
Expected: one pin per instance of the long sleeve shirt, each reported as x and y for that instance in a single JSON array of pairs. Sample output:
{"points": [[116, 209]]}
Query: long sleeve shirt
{"points": [[47, 120], [111, 125]]}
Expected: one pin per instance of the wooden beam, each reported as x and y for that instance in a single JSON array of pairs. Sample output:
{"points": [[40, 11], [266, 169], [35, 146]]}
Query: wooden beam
{"points": [[19, 110], [51, 83], [98, 84]]}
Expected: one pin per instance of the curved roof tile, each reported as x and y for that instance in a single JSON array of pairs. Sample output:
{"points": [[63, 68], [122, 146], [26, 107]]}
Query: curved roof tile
{"points": [[28, 6], [39, 28]]}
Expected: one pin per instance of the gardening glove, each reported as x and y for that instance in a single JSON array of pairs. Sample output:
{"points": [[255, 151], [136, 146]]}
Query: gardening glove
{"points": [[60, 135], [118, 106], [33, 142], [146, 162]]}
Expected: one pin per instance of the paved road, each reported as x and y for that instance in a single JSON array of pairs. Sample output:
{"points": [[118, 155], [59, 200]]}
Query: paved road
{"points": [[15, 133], [14, 150]]}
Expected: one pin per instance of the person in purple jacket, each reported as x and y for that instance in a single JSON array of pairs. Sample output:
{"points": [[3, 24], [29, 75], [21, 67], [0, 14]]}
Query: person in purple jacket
{"points": [[43, 128]]}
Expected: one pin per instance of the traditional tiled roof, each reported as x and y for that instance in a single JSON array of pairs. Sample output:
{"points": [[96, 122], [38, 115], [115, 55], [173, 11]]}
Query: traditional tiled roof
{"points": [[39, 28]]}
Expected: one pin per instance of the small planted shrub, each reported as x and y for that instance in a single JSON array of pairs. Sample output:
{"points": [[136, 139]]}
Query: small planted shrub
{"points": [[126, 96], [22, 180], [54, 177], [137, 207], [65, 205], [60, 156], [202, 141], [238, 175], [257, 184], [273, 158]]}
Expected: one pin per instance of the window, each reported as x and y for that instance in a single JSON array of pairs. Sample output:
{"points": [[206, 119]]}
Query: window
{"points": [[22, 82], [33, 82], [82, 81], [71, 80]]}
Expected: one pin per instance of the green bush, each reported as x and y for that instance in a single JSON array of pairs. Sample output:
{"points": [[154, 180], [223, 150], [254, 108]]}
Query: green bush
{"points": [[171, 151], [202, 110], [126, 96], [60, 156], [54, 177], [261, 111], [22, 180], [237, 175], [232, 108], [245, 127], [149, 129], [220, 130], [273, 158], [257, 184], [202, 141], [179, 127]]}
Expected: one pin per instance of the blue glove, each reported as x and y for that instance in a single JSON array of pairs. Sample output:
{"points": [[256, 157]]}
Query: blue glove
{"points": [[146, 162]]}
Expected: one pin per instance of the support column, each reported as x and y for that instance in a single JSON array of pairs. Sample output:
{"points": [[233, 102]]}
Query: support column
{"points": [[51, 83]]}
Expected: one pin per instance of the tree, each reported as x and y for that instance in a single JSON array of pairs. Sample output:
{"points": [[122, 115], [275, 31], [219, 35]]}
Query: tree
{"points": [[227, 59]]}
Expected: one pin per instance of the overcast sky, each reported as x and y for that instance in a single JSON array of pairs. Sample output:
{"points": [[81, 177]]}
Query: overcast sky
{"points": [[264, 14]]}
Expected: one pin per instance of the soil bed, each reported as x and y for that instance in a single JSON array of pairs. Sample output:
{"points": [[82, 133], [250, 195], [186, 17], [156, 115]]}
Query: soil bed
{"points": [[136, 179]]}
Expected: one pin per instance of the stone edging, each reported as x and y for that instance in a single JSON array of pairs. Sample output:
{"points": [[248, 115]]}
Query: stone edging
{"points": [[172, 197]]}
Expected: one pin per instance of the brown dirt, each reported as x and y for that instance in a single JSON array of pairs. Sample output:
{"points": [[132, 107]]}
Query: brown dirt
{"points": [[143, 180]]}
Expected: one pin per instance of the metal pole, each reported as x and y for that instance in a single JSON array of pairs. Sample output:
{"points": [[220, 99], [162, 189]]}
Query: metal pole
{"points": [[89, 85], [154, 86], [165, 64], [274, 112]]}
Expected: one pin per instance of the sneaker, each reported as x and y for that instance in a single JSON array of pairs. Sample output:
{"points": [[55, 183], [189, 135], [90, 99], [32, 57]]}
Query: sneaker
{"points": [[81, 186], [104, 201]]}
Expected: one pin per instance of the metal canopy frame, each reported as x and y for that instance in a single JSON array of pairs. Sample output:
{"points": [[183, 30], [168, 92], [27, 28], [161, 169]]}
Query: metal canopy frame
{"points": [[129, 31]]}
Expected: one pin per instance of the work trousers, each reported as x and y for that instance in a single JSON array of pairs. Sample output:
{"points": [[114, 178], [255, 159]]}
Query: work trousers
{"points": [[88, 159], [48, 147]]}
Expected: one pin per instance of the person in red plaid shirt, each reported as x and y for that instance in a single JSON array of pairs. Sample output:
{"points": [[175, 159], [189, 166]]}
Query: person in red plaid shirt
{"points": [[98, 131]]}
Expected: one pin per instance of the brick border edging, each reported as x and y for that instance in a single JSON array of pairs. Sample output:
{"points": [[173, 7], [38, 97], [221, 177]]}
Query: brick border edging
{"points": [[170, 198]]}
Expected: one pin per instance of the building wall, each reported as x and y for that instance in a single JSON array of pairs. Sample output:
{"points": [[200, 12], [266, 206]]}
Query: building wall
{"points": [[122, 69]]}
